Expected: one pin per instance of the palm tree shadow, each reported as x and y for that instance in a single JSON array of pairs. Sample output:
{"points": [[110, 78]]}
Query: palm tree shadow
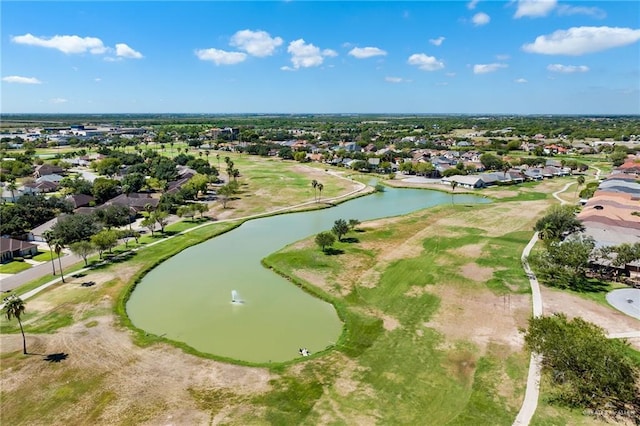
{"points": [[57, 357], [350, 240]]}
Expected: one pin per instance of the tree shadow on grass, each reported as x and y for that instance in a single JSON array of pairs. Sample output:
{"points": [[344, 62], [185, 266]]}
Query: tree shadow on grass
{"points": [[350, 240], [57, 357], [592, 286], [330, 251]]}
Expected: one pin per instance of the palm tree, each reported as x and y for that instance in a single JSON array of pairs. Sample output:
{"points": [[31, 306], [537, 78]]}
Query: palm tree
{"points": [[314, 184], [11, 187], [206, 153], [48, 237], [580, 183], [58, 249], [454, 185], [14, 307], [218, 158], [320, 188]]}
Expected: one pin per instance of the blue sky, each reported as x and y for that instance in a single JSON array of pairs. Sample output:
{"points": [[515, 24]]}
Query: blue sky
{"points": [[511, 57]]}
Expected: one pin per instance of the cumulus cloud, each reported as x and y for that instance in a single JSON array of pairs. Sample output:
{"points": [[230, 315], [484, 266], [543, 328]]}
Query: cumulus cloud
{"points": [[487, 68], [366, 52], [480, 19], [472, 4], [436, 41], [425, 62], [220, 57], [306, 55], [396, 80], [66, 43], [256, 43], [20, 80], [582, 40], [567, 69], [521, 81], [534, 8], [58, 101], [124, 51]]}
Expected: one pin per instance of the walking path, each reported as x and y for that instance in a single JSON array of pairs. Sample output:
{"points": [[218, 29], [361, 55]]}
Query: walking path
{"points": [[532, 392], [36, 272]]}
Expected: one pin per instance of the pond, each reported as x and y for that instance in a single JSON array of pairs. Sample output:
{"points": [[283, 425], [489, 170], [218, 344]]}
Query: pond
{"points": [[188, 298]]}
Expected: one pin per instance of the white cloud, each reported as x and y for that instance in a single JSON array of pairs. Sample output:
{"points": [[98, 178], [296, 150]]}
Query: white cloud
{"points": [[124, 51], [425, 63], [502, 57], [472, 4], [58, 101], [306, 55], [534, 8], [366, 52], [520, 81], [450, 74], [256, 43], [487, 68], [581, 40], [97, 79], [396, 80], [20, 80], [480, 19], [67, 43], [566, 10], [220, 57], [436, 41], [567, 69]]}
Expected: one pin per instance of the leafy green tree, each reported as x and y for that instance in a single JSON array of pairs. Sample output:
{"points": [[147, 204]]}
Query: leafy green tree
{"points": [[14, 308], [72, 228], [491, 162], [133, 181], [82, 249], [353, 223], [559, 221], [161, 218], [580, 182], [105, 189], [149, 223], [187, 211], [564, 264], [201, 208], [225, 193], [113, 216], [325, 239], [340, 228], [105, 240], [587, 370], [108, 167]]}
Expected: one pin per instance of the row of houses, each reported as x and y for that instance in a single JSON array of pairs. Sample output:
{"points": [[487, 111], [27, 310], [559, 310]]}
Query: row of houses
{"points": [[509, 177], [610, 217]]}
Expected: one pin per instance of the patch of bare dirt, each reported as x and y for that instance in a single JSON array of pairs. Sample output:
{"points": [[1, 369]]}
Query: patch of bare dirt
{"points": [[159, 376], [473, 251], [480, 316], [610, 319], [475, 272]]}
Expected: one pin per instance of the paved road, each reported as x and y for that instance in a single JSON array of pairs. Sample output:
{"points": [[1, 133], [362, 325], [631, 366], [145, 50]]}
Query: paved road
{"points": [[35, 272]]}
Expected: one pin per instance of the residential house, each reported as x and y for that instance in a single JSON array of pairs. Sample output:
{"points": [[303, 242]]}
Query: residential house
{"points": [[80, 200], [464, 181], [47, 169], [11, 248]]}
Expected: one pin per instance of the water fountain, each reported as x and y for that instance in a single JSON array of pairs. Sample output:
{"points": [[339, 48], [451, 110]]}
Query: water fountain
{"points": [[235, 298]]}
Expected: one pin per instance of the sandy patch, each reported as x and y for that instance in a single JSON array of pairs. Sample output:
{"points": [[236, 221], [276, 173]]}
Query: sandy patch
{"points": [[480, 316], [475, 272], [610, 319], [159, 376]]}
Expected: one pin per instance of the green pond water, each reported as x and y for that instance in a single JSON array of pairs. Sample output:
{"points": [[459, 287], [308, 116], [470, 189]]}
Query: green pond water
{"points": [[188, 298]]}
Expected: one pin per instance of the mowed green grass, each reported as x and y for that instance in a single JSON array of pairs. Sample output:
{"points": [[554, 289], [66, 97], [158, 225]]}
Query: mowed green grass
{"points": [[407, 375], [14, 267]]}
